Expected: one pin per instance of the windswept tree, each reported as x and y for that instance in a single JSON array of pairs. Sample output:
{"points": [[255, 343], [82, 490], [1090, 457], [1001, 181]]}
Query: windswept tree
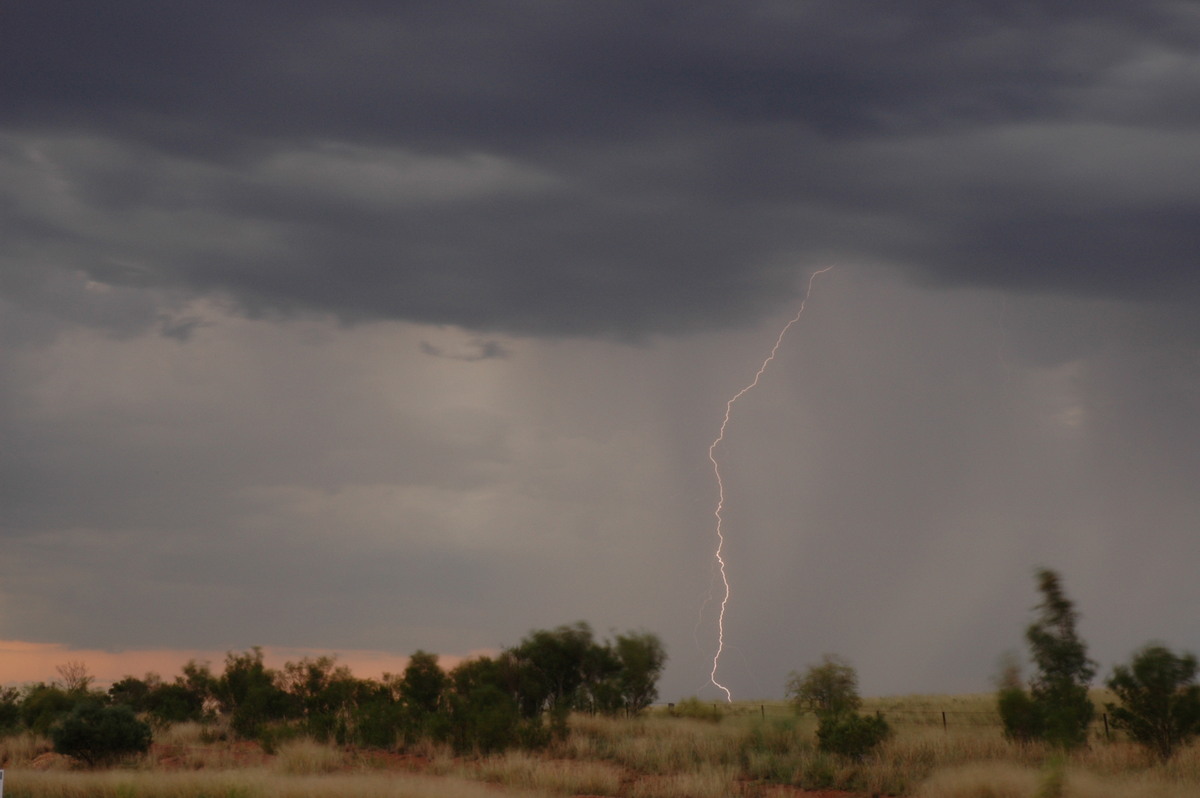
{"points": [[1160, 700], [1057, 708]]}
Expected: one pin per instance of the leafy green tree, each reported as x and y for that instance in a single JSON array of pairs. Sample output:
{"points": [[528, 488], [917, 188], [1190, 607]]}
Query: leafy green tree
{"points": [[422, 683], [422, 688], [1059, 689], [553, 667], [10, 710], [247, 691], [133, 692], [378, 714], [1160, 700], [173, 703], [600, 689], [197, 677], [641, 656], [484, 716], [43, 704], [323, 694], [828, 688], [98, 734]]}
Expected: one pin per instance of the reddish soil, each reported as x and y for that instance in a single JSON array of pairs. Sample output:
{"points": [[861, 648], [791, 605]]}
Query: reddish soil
{"points": [[796, 792], [240, 753]]}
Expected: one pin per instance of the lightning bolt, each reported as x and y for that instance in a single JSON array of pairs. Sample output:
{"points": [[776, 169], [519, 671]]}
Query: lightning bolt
{"points": [[712, 457]]}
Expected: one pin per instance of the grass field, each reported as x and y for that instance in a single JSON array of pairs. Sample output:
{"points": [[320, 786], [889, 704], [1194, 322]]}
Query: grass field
{"points": [[943, 747]]}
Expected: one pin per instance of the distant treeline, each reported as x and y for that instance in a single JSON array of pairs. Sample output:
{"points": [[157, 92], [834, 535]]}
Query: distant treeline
{"points": [[520, 697]]}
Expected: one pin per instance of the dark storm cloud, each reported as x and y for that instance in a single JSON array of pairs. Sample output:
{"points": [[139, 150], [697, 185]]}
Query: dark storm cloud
{"points": [[613, 169]]}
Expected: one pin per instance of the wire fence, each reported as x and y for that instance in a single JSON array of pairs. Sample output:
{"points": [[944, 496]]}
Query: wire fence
{"points": [[945, 719]]}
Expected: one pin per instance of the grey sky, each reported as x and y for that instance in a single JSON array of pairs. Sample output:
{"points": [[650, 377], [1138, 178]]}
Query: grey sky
{"points": [[408, 325]]}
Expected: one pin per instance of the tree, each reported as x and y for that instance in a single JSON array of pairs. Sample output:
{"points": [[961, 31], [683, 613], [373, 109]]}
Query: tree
{"points": [[556, 668], [97, 734], [43, 705], [1160, 700], [323, 693], [247, 690], [75, 676], [641, 656], [828, 688], [1060, 688], [132, 691], [422, 683], [484, 716], [377, 713], [421, 690], [10, 709], [1057, 708], [830, 691]]}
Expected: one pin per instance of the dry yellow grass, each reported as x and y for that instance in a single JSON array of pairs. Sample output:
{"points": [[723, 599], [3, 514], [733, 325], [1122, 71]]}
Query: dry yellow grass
{"points": [[305, 757], [20, 749], [246, 783], [657, 744], [570, 777], [719, 782], [981, 780]]}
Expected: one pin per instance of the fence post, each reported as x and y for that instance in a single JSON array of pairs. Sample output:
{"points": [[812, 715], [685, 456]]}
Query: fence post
{"points": [[763, 708], [944, 721]]}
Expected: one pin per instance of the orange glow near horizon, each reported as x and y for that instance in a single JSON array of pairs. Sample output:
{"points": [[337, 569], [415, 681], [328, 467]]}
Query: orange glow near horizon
{"points": [[22, 662]]}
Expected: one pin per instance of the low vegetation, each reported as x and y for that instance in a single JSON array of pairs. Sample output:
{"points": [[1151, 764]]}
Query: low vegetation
{"points": [[562, 714], [738, 750]]}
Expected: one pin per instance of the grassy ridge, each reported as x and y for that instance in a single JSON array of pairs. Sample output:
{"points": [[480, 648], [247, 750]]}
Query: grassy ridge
{"points": [[747, 750]]}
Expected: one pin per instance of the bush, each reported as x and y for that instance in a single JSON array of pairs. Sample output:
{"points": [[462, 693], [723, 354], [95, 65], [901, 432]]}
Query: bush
{"points": [[1160, 700], [1019, 714], [98, 734], [850, 734]]}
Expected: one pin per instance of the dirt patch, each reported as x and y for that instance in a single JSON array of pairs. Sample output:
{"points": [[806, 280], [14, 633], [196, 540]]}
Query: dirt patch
{"points": [[796, 792], [51, 761]]}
